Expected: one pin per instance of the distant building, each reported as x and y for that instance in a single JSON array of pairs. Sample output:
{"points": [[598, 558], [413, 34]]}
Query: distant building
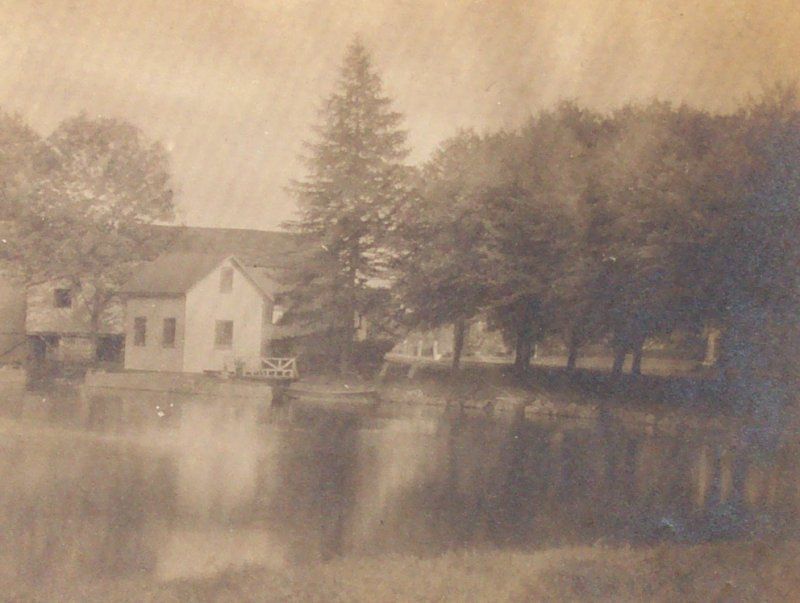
{"points": [[191, 312], [13, 339], [58, 326], [437, 343]]}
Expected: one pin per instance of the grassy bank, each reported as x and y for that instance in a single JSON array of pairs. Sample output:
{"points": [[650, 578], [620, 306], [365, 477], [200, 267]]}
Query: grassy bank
{"points": [[721, 572], [698, 394]]}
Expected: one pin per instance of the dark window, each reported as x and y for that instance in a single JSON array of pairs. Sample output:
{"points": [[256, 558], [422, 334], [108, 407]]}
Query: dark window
{"points": [[168, 335], [139, 330], [63, 298], [110, 348], [226, 280], [223, 334]]}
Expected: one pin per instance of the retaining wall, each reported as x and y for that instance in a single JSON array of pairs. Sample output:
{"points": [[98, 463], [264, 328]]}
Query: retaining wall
{"points": [[178, 383]]}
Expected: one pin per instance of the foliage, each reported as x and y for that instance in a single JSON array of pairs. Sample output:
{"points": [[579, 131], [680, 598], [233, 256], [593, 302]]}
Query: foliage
{"points": [[533, 227], [86, 218], [20, 153], [752, 276], [442, 261], [644, 220], [628, 227], [356, 180]]}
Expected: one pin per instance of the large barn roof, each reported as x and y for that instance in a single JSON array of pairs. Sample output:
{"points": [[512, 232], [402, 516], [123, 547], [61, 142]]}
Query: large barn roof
{"points": [[252, 247]]}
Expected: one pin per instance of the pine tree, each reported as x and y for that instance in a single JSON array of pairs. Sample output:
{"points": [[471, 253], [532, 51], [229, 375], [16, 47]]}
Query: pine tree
{"points": [[347, 202]]}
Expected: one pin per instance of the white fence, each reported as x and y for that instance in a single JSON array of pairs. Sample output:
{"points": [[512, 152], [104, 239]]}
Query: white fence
{"points": [[273, 368]]}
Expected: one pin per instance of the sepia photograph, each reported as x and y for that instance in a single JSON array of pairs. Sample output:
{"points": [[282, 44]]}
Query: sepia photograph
{"points": [[406, 301]]}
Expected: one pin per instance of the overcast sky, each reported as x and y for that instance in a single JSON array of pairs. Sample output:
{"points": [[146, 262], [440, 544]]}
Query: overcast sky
{"points": [[231, 87]]}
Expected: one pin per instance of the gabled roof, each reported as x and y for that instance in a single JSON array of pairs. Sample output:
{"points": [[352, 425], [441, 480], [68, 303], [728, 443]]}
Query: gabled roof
{"points": [[173, 274], [262, 278]]}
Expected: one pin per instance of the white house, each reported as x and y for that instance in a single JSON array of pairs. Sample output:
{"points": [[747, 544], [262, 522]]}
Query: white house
{"points": [[190, 312]]}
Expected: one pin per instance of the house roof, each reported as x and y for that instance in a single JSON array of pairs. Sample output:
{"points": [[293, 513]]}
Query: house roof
{"points": [[262, 278], [173, 274]]}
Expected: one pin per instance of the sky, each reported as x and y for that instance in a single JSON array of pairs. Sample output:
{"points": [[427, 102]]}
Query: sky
{"points": [[233, 87]]}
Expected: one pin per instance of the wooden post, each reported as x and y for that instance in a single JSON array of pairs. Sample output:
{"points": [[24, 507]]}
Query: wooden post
{"points": [[556, 463], [725, 475], [703, 475], [712, 347], [754, 485]]}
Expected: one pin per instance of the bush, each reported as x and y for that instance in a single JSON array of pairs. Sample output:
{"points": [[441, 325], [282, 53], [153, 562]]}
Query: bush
{"points": [[368, 355]]}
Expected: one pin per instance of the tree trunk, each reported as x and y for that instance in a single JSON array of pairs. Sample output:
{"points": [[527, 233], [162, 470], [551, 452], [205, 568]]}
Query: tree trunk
{"points": [[459, 335], [346, 350], [636, 366], [572, 357], [95, 314], [350, 311], [344, 358], [523, 352], [619, 360]]}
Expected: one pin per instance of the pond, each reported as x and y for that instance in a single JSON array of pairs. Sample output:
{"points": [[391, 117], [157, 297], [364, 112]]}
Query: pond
{"points": [[194, 488]]}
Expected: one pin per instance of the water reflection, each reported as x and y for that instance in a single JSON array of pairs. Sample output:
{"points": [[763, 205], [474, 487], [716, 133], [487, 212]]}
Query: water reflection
{"points": [[209, 486]]}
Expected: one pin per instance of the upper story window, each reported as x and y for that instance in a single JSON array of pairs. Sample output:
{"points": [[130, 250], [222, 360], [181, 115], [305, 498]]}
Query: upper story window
{"points": [[226, 280], [140, 331], [168, 333], [62, 298], [277, 313], [223, 334]]}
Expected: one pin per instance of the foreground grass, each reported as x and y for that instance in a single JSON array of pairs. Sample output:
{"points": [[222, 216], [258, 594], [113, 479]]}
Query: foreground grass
{"points": [[719, 572]]}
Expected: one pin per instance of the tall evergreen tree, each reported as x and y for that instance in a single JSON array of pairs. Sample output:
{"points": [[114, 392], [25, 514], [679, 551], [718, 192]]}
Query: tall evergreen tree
{"points": [[348, 201]]}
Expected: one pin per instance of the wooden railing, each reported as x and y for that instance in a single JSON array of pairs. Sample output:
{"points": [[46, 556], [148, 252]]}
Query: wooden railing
{"points": [[274, 368]]}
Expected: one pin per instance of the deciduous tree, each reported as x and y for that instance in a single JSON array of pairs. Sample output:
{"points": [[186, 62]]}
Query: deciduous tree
{"points": [[20, 155], [86, 219], [442, 253]]}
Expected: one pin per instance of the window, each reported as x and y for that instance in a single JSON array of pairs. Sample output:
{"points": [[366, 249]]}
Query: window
{"points": [[226, 280], [168, 333], [139, 330], [62, 298], [223, 335], [277, 313]]}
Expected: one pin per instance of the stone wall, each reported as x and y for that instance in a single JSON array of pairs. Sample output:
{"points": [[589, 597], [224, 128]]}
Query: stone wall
{"points": [[179, 383]]}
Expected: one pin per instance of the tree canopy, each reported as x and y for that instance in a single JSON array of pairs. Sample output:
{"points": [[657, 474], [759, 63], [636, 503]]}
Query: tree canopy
{"points": [[348, 202], [619, 228], [85, 219]]}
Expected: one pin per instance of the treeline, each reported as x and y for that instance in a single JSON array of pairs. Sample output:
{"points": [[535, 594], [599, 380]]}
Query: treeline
{"points": [[615, 228], [589, 227]]}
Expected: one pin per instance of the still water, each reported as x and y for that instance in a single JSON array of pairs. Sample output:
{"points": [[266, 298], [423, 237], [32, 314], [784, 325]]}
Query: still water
{"points": [[182, 489]]}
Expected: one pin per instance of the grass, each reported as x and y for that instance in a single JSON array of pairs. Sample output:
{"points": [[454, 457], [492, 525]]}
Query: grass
{"points": [[695, 393], [719, 572]]}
